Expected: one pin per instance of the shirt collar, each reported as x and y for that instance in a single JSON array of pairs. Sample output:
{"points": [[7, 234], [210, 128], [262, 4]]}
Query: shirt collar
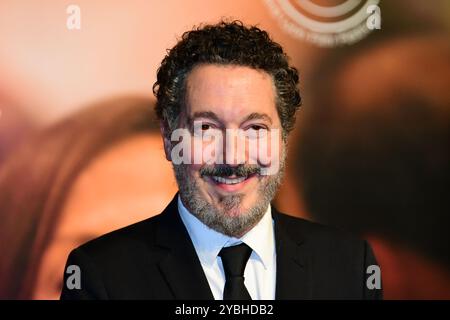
{"points": [[208, 242]]}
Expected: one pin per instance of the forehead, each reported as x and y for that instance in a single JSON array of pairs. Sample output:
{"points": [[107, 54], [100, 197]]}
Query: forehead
{"points": [[229, 88]]}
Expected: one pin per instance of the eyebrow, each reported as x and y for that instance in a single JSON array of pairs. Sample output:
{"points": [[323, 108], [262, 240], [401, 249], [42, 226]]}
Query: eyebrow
{"points": [[204, 114], [258, 116], [211, 115]]}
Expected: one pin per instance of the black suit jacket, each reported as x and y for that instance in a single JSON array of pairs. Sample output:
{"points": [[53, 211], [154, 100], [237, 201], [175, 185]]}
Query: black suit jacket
{"points": [[155, 259]]}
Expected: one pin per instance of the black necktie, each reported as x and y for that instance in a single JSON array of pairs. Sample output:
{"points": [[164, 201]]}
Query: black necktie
{"points": [[234, 260]]}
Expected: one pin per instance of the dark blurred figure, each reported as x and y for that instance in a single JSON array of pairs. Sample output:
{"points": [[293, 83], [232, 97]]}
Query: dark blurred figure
{"points": [[73, 181], [374, 158]]}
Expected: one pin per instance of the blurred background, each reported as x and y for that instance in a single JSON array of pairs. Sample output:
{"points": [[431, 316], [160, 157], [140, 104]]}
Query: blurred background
{"points": [[80, 153]]}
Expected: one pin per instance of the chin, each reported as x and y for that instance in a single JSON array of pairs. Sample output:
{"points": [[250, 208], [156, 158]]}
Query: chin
{"points": [[235, 212]]}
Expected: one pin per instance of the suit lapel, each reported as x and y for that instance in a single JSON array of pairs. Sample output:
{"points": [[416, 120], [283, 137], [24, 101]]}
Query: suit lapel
{"points": [[181, 267], [293, 275]]}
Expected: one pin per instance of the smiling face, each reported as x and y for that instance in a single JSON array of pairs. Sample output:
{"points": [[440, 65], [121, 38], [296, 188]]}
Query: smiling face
{"points": [[230, 190]]}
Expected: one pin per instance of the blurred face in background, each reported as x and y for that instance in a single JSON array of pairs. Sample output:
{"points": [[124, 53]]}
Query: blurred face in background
{"points": [[127, 183], [229, 191]]}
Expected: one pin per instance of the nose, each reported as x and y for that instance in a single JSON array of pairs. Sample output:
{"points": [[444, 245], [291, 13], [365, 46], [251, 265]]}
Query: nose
{"points": [[234, 150]]}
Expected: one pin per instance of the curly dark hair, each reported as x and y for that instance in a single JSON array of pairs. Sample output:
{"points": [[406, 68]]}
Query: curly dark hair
{"points": [[225, 43]]}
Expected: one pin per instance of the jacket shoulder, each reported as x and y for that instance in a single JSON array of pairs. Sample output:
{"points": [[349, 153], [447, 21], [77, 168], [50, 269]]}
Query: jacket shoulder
{"points": [[319, 236], [124, 241], [338, 260]]}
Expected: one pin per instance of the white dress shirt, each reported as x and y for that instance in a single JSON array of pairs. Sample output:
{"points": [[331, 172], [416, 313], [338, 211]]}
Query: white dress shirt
{"points": [[260, 271]]}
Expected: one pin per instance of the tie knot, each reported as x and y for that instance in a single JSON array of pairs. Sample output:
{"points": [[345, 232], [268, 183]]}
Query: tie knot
{"points": [[234, 259]]}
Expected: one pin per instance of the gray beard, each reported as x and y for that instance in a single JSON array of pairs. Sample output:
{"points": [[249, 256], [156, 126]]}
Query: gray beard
{"points": [[219, 218]]}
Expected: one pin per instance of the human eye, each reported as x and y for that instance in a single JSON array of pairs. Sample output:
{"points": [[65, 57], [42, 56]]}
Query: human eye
{"points": [[204, 128], [256, 130]]}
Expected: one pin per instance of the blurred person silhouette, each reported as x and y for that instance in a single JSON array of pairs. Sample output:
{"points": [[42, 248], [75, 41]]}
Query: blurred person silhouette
{"points": [[374, 158], [86, 175]]}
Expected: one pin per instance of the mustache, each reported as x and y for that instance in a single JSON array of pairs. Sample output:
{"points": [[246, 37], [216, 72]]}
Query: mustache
{"points": [[225, 170]]}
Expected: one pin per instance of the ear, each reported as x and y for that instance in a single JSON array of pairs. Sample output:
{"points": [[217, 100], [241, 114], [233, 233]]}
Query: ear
{"points": [[164, 128]]}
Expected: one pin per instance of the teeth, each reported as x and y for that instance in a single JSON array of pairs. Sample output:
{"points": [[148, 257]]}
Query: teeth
{"points": [[228, 181]]}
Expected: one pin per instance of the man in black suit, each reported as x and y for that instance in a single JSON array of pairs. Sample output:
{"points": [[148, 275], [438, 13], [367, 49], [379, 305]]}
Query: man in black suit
{"points": [[220, 238]]}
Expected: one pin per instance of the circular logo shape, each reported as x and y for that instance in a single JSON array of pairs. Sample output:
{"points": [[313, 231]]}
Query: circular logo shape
{"points": [[326, 23]]}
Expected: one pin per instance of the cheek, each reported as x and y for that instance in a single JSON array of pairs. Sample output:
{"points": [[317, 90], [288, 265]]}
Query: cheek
{"points": [[193, 170], [270, 150], [212, 151]]}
